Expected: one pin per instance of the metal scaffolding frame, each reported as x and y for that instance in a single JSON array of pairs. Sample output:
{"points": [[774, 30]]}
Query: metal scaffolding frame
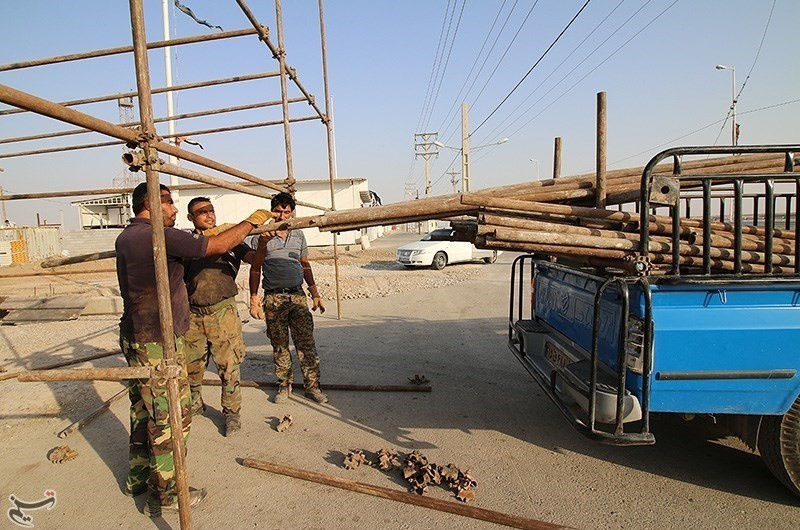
{"points": [[142, 136]]}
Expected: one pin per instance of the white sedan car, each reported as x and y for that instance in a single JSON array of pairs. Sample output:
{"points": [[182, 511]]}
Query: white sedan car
{"points": [[438, 248]]}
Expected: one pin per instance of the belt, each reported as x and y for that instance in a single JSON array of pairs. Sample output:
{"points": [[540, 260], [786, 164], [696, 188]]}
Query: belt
{"points": [[210, 309], [287, 290]]}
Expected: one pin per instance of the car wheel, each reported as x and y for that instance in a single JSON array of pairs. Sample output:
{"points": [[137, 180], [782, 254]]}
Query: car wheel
{"points": [[492, 259], [439, 261]]}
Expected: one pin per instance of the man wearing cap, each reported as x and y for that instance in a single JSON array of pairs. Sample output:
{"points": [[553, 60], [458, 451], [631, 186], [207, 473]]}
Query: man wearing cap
{"points": [[214, 324], [151, 462], [284, 257]]}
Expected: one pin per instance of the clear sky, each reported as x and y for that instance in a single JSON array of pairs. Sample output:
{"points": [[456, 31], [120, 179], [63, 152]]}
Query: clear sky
{"points": [[655, 59]]}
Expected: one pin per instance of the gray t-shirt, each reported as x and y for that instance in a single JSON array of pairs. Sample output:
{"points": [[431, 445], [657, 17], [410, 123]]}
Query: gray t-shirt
{"points": [[282, 268]]}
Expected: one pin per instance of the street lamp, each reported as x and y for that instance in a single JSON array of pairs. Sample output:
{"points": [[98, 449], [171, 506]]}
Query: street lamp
{"points": [[733, 99], [465, 158]]}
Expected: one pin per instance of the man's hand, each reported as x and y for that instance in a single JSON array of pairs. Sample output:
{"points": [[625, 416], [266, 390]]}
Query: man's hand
{"points": [[217, 229], [256, 309], [316, 303], [259, 217]]}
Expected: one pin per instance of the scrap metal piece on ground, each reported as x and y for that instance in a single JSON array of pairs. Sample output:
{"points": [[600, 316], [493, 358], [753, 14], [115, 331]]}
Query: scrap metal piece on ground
{"points": [[285, 423], [418, 379], [388, 459], [355, 458], [61, 454]]}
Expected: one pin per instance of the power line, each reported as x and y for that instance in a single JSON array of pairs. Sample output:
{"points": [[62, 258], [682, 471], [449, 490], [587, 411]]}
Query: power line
{"points": [[433, 67], [519, 116], [532, 67], [506, 52], [672, 142], [747, 78], [590, 72], [444, 132], [446, 62], [472, 68]]}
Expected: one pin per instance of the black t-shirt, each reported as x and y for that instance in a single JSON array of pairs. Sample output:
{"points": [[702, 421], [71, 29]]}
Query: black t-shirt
{"points": [[137, 279], [212, 279]]}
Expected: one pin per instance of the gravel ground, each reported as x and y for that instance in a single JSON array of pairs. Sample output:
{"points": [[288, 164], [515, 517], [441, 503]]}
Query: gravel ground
{"points": [[484, 413]]}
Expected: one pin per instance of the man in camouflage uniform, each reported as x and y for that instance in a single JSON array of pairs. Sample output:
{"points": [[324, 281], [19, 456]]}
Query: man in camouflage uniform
{"points": [[284, 257], [214, 323], [151, 463]]}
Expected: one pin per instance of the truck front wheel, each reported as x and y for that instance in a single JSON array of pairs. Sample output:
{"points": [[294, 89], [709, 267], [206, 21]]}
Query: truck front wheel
{"points": [[779, 445]]}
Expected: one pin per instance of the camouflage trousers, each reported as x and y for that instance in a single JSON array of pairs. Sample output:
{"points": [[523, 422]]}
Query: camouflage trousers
{"points": [[285, 313], [215, 330], [150, 458]]}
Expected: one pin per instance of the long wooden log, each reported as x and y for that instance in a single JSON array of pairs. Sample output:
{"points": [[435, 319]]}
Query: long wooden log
{"points": [[594, 242], [691, 167], [493, 243], [473, 199], [331, 386], [401, 496]]}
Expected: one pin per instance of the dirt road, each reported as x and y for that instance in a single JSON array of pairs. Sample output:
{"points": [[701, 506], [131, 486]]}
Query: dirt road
{"points": [[485, 414]]}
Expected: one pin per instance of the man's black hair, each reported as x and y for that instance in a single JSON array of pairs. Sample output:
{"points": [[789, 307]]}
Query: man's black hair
{"points": [[282, 199], [195, 201], [139, 195]]}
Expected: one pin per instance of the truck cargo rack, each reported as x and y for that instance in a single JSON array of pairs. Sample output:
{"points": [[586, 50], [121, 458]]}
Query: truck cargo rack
{"points": [[657, 191]]}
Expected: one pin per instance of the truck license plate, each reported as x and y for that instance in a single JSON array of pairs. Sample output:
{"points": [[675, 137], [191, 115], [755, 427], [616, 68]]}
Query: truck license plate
{"points": [[556, 356]]}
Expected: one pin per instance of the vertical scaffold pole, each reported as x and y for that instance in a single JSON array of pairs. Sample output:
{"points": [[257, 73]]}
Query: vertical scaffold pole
{"points": [[331, 167], [148, 137]]}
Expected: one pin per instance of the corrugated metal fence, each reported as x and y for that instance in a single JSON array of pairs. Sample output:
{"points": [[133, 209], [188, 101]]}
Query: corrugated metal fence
{"points": [[29, 243]]}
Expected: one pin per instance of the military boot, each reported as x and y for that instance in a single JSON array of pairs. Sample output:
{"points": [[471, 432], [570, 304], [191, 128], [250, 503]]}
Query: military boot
{"points": [[233, 424], [316, 394], [283, 394], [154, 508]]}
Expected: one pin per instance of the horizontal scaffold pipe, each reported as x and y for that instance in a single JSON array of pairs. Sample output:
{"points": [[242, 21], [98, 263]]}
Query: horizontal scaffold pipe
{"points": [[199, 114], [42, 106], [126, 49], [198, 132], [173, 88]]}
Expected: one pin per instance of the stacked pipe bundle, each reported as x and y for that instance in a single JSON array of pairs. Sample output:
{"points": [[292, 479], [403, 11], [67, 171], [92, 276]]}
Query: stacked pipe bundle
{"points": [[550, 218]]}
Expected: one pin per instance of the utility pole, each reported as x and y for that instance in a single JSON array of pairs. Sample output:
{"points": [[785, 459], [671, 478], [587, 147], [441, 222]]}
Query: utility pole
{"points": [[464, 148], [424, 146], [453, 180]]}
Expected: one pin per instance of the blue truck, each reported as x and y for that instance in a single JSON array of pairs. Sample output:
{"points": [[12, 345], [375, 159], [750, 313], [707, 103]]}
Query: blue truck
{"points": [[611, 347]]}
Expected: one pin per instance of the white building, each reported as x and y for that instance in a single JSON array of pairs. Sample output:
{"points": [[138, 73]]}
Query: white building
{"points": [[232, 206]]}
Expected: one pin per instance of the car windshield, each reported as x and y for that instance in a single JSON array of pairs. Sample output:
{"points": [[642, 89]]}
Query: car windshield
{"points": [[438, 235]]}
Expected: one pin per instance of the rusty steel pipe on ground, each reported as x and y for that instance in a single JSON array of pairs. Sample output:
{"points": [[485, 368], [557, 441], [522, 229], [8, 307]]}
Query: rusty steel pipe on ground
{"points": [[402, 496], [91, 416], [87, 374], [331, 386], [61, 364]]}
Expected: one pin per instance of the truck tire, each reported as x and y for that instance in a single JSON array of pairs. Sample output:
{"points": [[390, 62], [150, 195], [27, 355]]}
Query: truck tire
{"points": [[779, 445], [439, 261]]}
